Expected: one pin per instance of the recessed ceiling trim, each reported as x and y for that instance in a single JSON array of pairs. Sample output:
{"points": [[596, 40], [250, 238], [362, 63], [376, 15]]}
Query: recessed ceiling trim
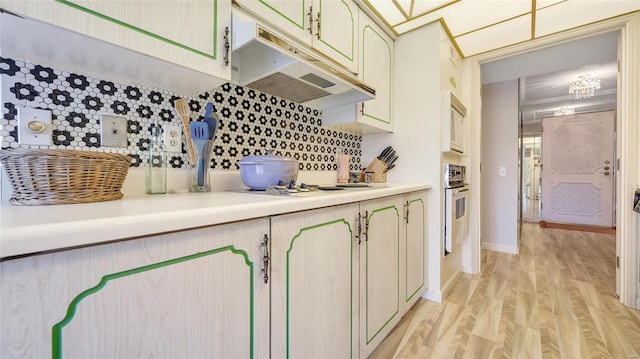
{"points": [[533, 19], [493, 24], [427, 12], [404, 13]]}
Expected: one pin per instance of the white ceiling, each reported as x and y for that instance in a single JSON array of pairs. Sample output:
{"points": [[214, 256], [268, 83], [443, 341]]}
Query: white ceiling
{"points": [[545, 75], [478, 26]]}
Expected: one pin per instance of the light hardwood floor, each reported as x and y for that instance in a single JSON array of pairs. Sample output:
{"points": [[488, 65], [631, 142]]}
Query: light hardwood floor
{"points": [[555, 299]]}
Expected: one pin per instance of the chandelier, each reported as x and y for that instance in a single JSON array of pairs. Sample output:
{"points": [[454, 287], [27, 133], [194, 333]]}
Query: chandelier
{"points": [[563, 111], [585, 87]]}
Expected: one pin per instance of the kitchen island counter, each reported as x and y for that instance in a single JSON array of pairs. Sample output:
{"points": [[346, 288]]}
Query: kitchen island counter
{"points": [[33, 229]]}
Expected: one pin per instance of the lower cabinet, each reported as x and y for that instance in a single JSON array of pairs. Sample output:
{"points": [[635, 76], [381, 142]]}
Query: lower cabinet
{"points": [[193, 294], [380, 270], [314, 288], [343, 276], [324, 283]]}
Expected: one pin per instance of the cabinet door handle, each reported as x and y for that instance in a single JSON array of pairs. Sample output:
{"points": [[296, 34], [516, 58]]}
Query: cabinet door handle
{"points": [[318, 26], [406, 212], [265, 258], [227, 46], [366, 226], [358, 228], [310, 13], [362, 109]]}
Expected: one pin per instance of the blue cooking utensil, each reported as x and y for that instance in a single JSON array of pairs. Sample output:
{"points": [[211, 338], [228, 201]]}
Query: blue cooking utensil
{"points": [[208, 110], [211, 120], [200, 136]]}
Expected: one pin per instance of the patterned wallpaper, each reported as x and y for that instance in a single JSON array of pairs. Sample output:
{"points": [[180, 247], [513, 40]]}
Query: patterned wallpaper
{"points": [[250, 121]]}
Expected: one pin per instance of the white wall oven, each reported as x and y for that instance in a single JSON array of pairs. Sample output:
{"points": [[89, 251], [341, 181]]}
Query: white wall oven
{"points": [[456, 203]]}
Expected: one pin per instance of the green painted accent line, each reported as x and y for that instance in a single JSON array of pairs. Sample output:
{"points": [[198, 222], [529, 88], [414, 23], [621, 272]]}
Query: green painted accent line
{"points": [[348, 57], [369, 340], [364, 58], [70, 3], [293, 240], [301, 26], [56, 337], [409, 296]]}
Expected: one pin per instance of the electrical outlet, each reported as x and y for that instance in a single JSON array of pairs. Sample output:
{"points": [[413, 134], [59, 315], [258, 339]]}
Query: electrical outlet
{"points": [[113, 131], [172, 138], [35, 126]]}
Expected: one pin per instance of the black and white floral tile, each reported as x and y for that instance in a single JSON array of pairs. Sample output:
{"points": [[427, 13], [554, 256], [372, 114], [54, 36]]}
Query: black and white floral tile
{"points": [[250, 121]]}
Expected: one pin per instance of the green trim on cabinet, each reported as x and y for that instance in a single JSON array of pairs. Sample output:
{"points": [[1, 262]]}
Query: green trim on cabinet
{"points": [[363, 60], [306, 229], [70, 3], [353, 32], [56, 337], [303, 15], [406, 246], [369, 340]]}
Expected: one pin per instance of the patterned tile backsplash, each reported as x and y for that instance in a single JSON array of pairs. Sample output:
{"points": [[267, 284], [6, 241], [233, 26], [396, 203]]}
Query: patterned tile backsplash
{"points": [[250, 121]]}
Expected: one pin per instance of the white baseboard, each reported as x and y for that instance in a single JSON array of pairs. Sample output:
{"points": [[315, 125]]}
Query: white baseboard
{"points": [[432, 296], [467, 268], [499, 248]]}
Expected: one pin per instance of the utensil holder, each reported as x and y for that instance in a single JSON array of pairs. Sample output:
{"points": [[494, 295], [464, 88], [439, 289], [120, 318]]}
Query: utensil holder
{"points": [[200, 180], [377, 168]]}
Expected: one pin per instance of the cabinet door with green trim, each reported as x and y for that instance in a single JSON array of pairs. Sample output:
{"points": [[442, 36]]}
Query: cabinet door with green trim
{"points": [[376, 69], [380, 274], [414, 248], [314, 284], [192, 294], [328, 26], [190, 33]]}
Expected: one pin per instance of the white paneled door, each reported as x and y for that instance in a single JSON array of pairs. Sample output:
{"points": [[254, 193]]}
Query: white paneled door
{"points": [[578, 169]]}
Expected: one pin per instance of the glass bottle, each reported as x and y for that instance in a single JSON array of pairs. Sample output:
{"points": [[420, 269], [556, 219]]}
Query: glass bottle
{"points": [[157, 175]]}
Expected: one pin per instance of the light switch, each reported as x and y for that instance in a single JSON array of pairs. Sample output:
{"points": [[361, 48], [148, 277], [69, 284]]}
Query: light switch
{"points": [[35, 126], [503, 171]]}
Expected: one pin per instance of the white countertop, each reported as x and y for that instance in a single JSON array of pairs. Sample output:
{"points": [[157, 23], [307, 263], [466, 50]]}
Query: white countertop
{"points": [[32, 229]]}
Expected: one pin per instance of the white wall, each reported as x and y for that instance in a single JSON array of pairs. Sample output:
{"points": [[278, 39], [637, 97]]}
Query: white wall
{"points": [[499, 209], [416, 136]]}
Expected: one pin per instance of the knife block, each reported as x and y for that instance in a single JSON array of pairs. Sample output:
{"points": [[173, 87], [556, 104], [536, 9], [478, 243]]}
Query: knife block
{"points": [[378, 169]]}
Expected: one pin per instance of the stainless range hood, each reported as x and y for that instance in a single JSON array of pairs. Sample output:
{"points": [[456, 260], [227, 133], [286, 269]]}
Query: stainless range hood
{"points": [[268, 62]]}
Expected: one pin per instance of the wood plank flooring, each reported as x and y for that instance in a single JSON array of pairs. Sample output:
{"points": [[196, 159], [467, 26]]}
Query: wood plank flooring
{"points": [[555, 299]]}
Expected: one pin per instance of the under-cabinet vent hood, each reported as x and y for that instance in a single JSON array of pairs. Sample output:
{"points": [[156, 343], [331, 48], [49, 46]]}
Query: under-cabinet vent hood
{"points": [[266, 61]]}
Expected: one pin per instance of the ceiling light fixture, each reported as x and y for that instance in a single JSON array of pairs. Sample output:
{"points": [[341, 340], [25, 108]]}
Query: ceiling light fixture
{"points": [[585, 87], [563, 111]]}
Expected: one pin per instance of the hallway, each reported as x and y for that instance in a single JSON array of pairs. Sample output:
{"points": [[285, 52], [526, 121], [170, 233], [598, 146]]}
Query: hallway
{"points": [[556, 299]]}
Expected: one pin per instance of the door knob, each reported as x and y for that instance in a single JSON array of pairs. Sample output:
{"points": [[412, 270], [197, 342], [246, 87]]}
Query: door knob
{"points": [[606, 162], [606, 173], [606, 168]]}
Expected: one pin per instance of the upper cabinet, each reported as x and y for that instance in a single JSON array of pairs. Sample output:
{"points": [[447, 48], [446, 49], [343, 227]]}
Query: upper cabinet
{"points": [[450, 66], [376, 70], [189, 33], [328, 26]]}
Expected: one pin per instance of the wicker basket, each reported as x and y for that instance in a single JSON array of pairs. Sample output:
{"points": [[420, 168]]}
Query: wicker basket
{"points": [[50, 176]]}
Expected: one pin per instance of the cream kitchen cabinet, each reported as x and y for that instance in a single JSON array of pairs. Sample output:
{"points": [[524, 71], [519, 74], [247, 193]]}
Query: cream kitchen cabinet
{"points": [[376, 70], [314, 286], [414, 249], [380, 274], [328, 26], [450, 66], [190, 294], [189, 33]]}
